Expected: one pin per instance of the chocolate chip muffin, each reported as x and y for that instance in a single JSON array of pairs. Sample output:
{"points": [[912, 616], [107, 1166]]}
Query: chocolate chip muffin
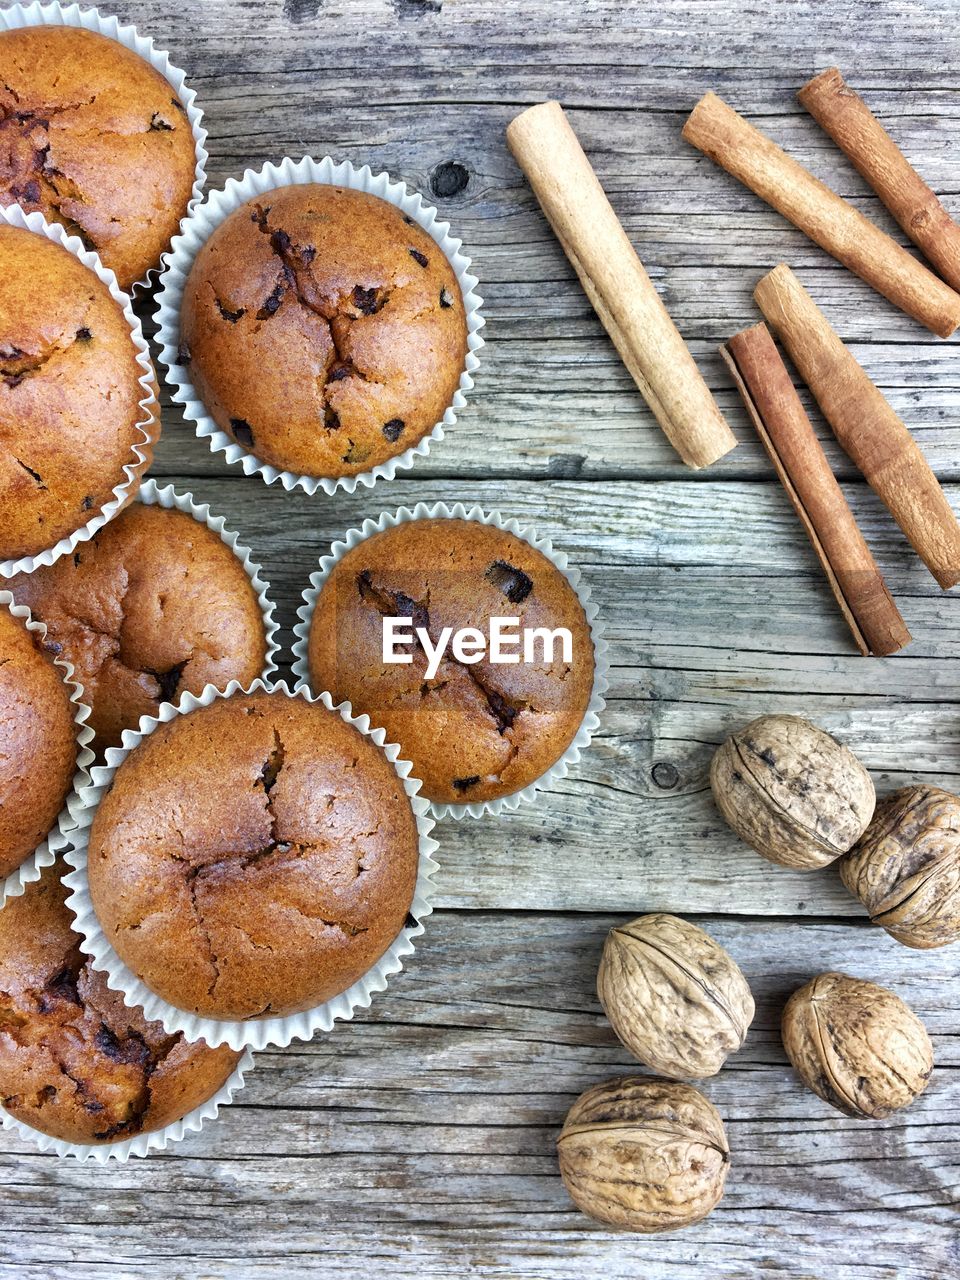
{"points": [[473, 732], [97, 140], [153, 606], [256, 856], [38, 742], [69, 393], [324, 329], [75, 1062]]}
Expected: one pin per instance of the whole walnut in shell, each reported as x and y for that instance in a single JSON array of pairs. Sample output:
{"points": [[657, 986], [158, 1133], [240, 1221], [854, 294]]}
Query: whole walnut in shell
{"points": [[906, 868], [792, 792], [674, 997], [644, 1154], [857, 1045]]}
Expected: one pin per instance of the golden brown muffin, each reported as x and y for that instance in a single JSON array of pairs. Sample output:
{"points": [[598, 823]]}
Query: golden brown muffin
{"points": [[253, 857], [69, 393], [75, 1062], [153, 606], [38, 743], [324, 329], [475, 731], [97, 140]]}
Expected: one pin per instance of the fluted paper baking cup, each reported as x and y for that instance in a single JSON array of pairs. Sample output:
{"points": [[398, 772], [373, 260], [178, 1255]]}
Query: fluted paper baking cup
{"points": [[153, 495], [218, 206], [46, 852], [149, 423], [143, 1143], [440, 510], [253, 1033], [37, 14]]}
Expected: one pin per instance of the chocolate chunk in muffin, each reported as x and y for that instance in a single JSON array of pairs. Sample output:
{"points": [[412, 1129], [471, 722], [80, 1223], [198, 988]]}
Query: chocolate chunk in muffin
{"points": [[326, 332], [38, 742], [256, 856], [153, 606], [75, 1061], [97, 140], [69, 393], [472, 731]]}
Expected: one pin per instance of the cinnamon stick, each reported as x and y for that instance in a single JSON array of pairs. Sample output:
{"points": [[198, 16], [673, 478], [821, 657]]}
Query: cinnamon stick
{"points": [[614, 279], [864, 423], [845, 116], [832, 223], [788, 437]]}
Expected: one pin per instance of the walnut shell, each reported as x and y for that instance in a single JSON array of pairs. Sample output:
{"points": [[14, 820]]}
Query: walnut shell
{"points": [[857, 1045], [674, 997], [906, 868], [792, 792], [644, 1154]]}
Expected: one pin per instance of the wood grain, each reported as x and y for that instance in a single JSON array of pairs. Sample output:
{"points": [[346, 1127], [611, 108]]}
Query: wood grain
{"points": [[421, 1140], [418, 1141]]}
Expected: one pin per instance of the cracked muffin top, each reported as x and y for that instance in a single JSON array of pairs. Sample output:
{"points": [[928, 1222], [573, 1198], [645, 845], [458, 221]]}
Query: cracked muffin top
{"points": [[69, 393], [473, 732], [38, 743], [256, 856], [324, 329], [153, 606], [75, 1062], [97, 140]]}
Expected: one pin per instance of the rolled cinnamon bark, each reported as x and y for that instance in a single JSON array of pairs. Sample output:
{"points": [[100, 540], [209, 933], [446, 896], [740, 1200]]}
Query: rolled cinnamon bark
{"points": [[864, 423], [788, 437], [845, 116], [614, 279], [832, 223]]}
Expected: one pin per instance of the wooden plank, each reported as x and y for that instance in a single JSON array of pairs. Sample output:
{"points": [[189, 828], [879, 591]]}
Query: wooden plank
{"points": [[704, 635], [573, 412], [592, 426], [690, 36], [703, 237], [552, 387], [442, 1104]]}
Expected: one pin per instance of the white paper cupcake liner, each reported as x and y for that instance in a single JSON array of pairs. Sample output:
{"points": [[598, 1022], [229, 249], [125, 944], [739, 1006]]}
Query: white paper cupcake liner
{"points": [[37, 14], [143, 1143], [46, 852], [254, 1033], [219, 205], [152, 495], [440, 510], [149, 422]]}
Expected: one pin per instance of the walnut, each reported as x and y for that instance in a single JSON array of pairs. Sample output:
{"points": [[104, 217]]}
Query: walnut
{"points": [[857, 1045], [644, 1154], [674, 997], [906, 868], [792, 792]]}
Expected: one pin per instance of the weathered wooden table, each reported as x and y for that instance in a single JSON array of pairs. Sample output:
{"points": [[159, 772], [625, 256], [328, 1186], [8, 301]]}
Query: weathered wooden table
{"points": [[418, 1141]]}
